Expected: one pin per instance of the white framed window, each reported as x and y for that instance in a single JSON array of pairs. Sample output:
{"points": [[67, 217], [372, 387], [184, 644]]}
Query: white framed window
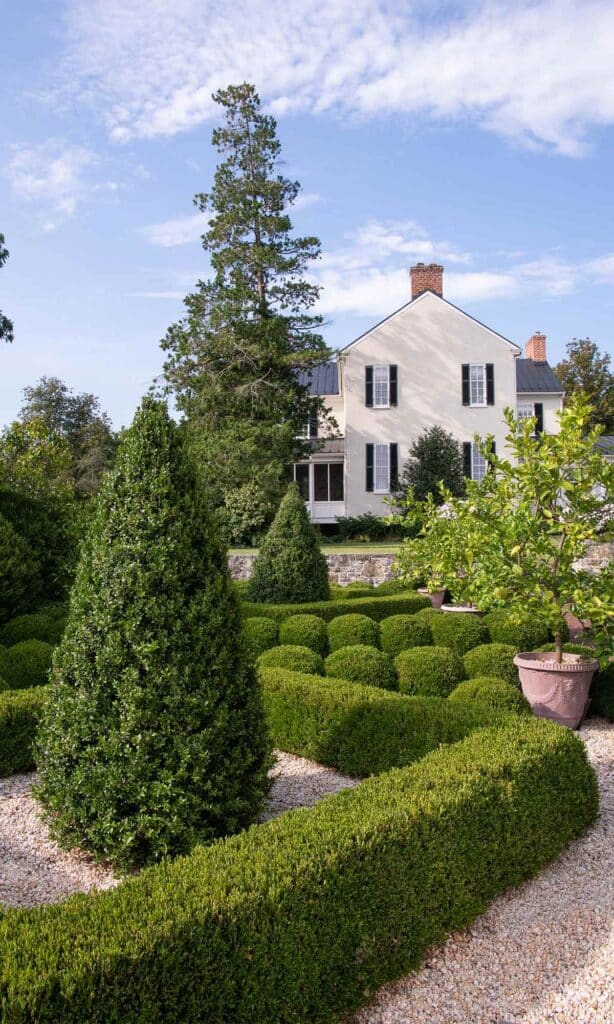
{"points": [[381, 387], [328, 481], [477, 384], [525, 411], [478, 463], [381, 468]]}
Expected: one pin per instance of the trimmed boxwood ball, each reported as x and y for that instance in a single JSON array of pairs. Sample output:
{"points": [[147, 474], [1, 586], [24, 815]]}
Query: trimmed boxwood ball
{"points": [[26, 664], [352, 629], [529, 635], [391, 587], [398, 632], [361, 663], [426, 613], [492, 660], [305, 630], [290, 567], [293, 657], [36, 626], [460, 631], [493, 692], [260, 634], [429, 671]]}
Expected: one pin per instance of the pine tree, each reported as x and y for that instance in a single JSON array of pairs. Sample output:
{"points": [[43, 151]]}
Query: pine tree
{"points": [[153, 738], [290, 567], [232, 361]]}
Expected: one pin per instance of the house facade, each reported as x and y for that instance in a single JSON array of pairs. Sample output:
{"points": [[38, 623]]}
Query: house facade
{"points": [[428, 363]]}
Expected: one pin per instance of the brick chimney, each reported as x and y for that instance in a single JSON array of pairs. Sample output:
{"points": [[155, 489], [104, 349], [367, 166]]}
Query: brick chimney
{"points": [[535, 348], [426, 278]]}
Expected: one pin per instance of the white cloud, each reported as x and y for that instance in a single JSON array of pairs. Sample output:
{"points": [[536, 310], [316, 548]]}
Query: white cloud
{"points": [[55, 177], [540, 73], [177, 231]]}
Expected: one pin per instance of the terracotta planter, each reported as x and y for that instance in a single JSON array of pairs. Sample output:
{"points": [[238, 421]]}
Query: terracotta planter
{"points": [[556, 690], [436, 598], [461, 609]]}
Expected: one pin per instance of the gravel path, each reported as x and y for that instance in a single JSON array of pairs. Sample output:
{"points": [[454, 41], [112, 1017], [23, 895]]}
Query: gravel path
{"points": [[543, 953]]}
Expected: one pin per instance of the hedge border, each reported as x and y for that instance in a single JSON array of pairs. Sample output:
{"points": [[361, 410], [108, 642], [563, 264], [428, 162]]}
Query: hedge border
{"points": [[377, 608], [19, 714]]}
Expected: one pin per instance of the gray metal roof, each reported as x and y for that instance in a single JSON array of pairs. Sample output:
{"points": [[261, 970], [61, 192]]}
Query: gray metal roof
{"points": [[322, 380], [536, 377], [605, 444]]}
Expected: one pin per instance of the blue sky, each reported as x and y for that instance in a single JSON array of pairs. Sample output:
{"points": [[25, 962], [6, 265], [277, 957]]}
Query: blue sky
{"points": [[477, 135]]}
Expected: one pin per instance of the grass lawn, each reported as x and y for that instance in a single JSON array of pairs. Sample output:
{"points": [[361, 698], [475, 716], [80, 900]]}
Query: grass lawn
{"points": [[348, 547]]}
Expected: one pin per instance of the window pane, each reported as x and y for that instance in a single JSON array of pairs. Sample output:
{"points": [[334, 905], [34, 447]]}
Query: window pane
{"points": [[320, 481], [382, 467], [336, 481], [478, 463], [525, 412], [477, 374], [301, 475], [380, 386]]}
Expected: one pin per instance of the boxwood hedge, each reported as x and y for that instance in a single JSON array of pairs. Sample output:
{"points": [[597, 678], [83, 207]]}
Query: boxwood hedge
{"points": [[398, 632], [26, 664], [19, 714], [525, 636], [260, 634], [306, 630], [429, 671], [292, 657], [352, 629], [301, 918], [377, 608], [460, 631], [361, 663], [43, 625], [492, 660], [496, 693]]}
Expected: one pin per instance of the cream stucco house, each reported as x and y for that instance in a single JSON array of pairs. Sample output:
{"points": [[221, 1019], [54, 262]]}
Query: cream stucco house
{"points": [[427, 363]]}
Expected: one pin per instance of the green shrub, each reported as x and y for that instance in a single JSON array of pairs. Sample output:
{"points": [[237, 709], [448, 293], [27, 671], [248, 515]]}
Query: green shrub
{"points": [[496, 693], [19, 572], [290, 566], [428, 611], [52, 527], [398, 632], [350, 591], [362, 664], [572, 649], [301, 919], [528, 636], [294, 658], [429, 671], [241, 587], [260, 634], [20, 711], [305, 630], [352, 629], [26, 664], [35, 626], [154, 737], [391, 587], [602, 693], [492, 660], [377, 608], [460, 631]]}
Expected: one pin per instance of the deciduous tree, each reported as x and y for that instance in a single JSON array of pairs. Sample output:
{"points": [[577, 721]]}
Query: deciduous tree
{"points": [[586, 371]]}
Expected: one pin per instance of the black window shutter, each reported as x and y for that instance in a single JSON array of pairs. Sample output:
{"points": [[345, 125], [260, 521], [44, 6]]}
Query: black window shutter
{"points": [[465, 383], [394, 467], [369, 387], [467, 458], [539, 417], [490, 384], [394, 386], [369, 449], [313, 425]]}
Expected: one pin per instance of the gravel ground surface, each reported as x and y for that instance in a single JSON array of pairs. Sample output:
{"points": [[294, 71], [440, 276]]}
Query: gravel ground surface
{"points": [[33, 868], [543, 953]]}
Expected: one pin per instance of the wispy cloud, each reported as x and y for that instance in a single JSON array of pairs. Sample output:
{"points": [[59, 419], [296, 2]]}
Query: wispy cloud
{"points": [[539, 72], [178, 231], [55, 178]]}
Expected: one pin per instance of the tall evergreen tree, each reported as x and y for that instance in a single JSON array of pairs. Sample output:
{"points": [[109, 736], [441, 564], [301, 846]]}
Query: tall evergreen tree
{"points": [[232, 361], [6, 325], [586, 371], [434, 456], [153, 738]]}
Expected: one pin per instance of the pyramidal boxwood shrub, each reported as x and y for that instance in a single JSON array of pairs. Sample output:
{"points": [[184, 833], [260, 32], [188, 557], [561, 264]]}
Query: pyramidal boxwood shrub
{"points": [[306, 630], [398, 632], [493, 692], [290, 567], [154, 737], [352, 629], [492, 660]]}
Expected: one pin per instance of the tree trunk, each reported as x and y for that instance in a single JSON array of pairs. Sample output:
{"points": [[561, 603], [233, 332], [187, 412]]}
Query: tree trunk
{"points": [[558, 646]]}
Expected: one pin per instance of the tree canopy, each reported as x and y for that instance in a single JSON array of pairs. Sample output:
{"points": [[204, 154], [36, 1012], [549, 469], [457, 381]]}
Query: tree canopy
{"points": [[6, 325], [434, 457], [586, 370]]}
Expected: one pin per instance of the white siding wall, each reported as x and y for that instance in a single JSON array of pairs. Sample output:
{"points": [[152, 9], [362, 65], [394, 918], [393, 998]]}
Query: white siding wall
{"points": [[551, 403], [428, 341]]}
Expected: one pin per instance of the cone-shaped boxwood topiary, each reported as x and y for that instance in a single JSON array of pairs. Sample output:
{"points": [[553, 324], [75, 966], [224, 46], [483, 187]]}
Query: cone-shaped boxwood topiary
{"points": [[429, 671], [305, 630], [361, 663], [293, 657], [352, 629], [290, 567], [525, 636], [36, 626], [26, 664], [492, 660], [260, 634], [154, 738], [19, 584], [460, 631], [398, 632], [493, 692]]}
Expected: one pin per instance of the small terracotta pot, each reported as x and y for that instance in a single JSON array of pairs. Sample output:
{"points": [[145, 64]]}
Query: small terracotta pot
{"points": [[436, 598], [556, 690]]}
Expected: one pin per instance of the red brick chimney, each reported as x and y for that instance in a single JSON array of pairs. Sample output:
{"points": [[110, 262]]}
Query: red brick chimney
{"points": [[535, 348], [426, 278]]}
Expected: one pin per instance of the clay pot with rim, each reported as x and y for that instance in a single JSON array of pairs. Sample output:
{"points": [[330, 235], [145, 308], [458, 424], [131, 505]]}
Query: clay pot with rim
{"points": [[435, 597], [556, 690]]}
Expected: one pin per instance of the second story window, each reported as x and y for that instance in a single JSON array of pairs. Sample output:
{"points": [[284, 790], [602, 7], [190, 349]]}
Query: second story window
{"points": [[381, 386], [478, 384]]}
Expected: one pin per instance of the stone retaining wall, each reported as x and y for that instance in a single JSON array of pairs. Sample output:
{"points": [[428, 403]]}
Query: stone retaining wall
{"points": [[373, 568]]}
